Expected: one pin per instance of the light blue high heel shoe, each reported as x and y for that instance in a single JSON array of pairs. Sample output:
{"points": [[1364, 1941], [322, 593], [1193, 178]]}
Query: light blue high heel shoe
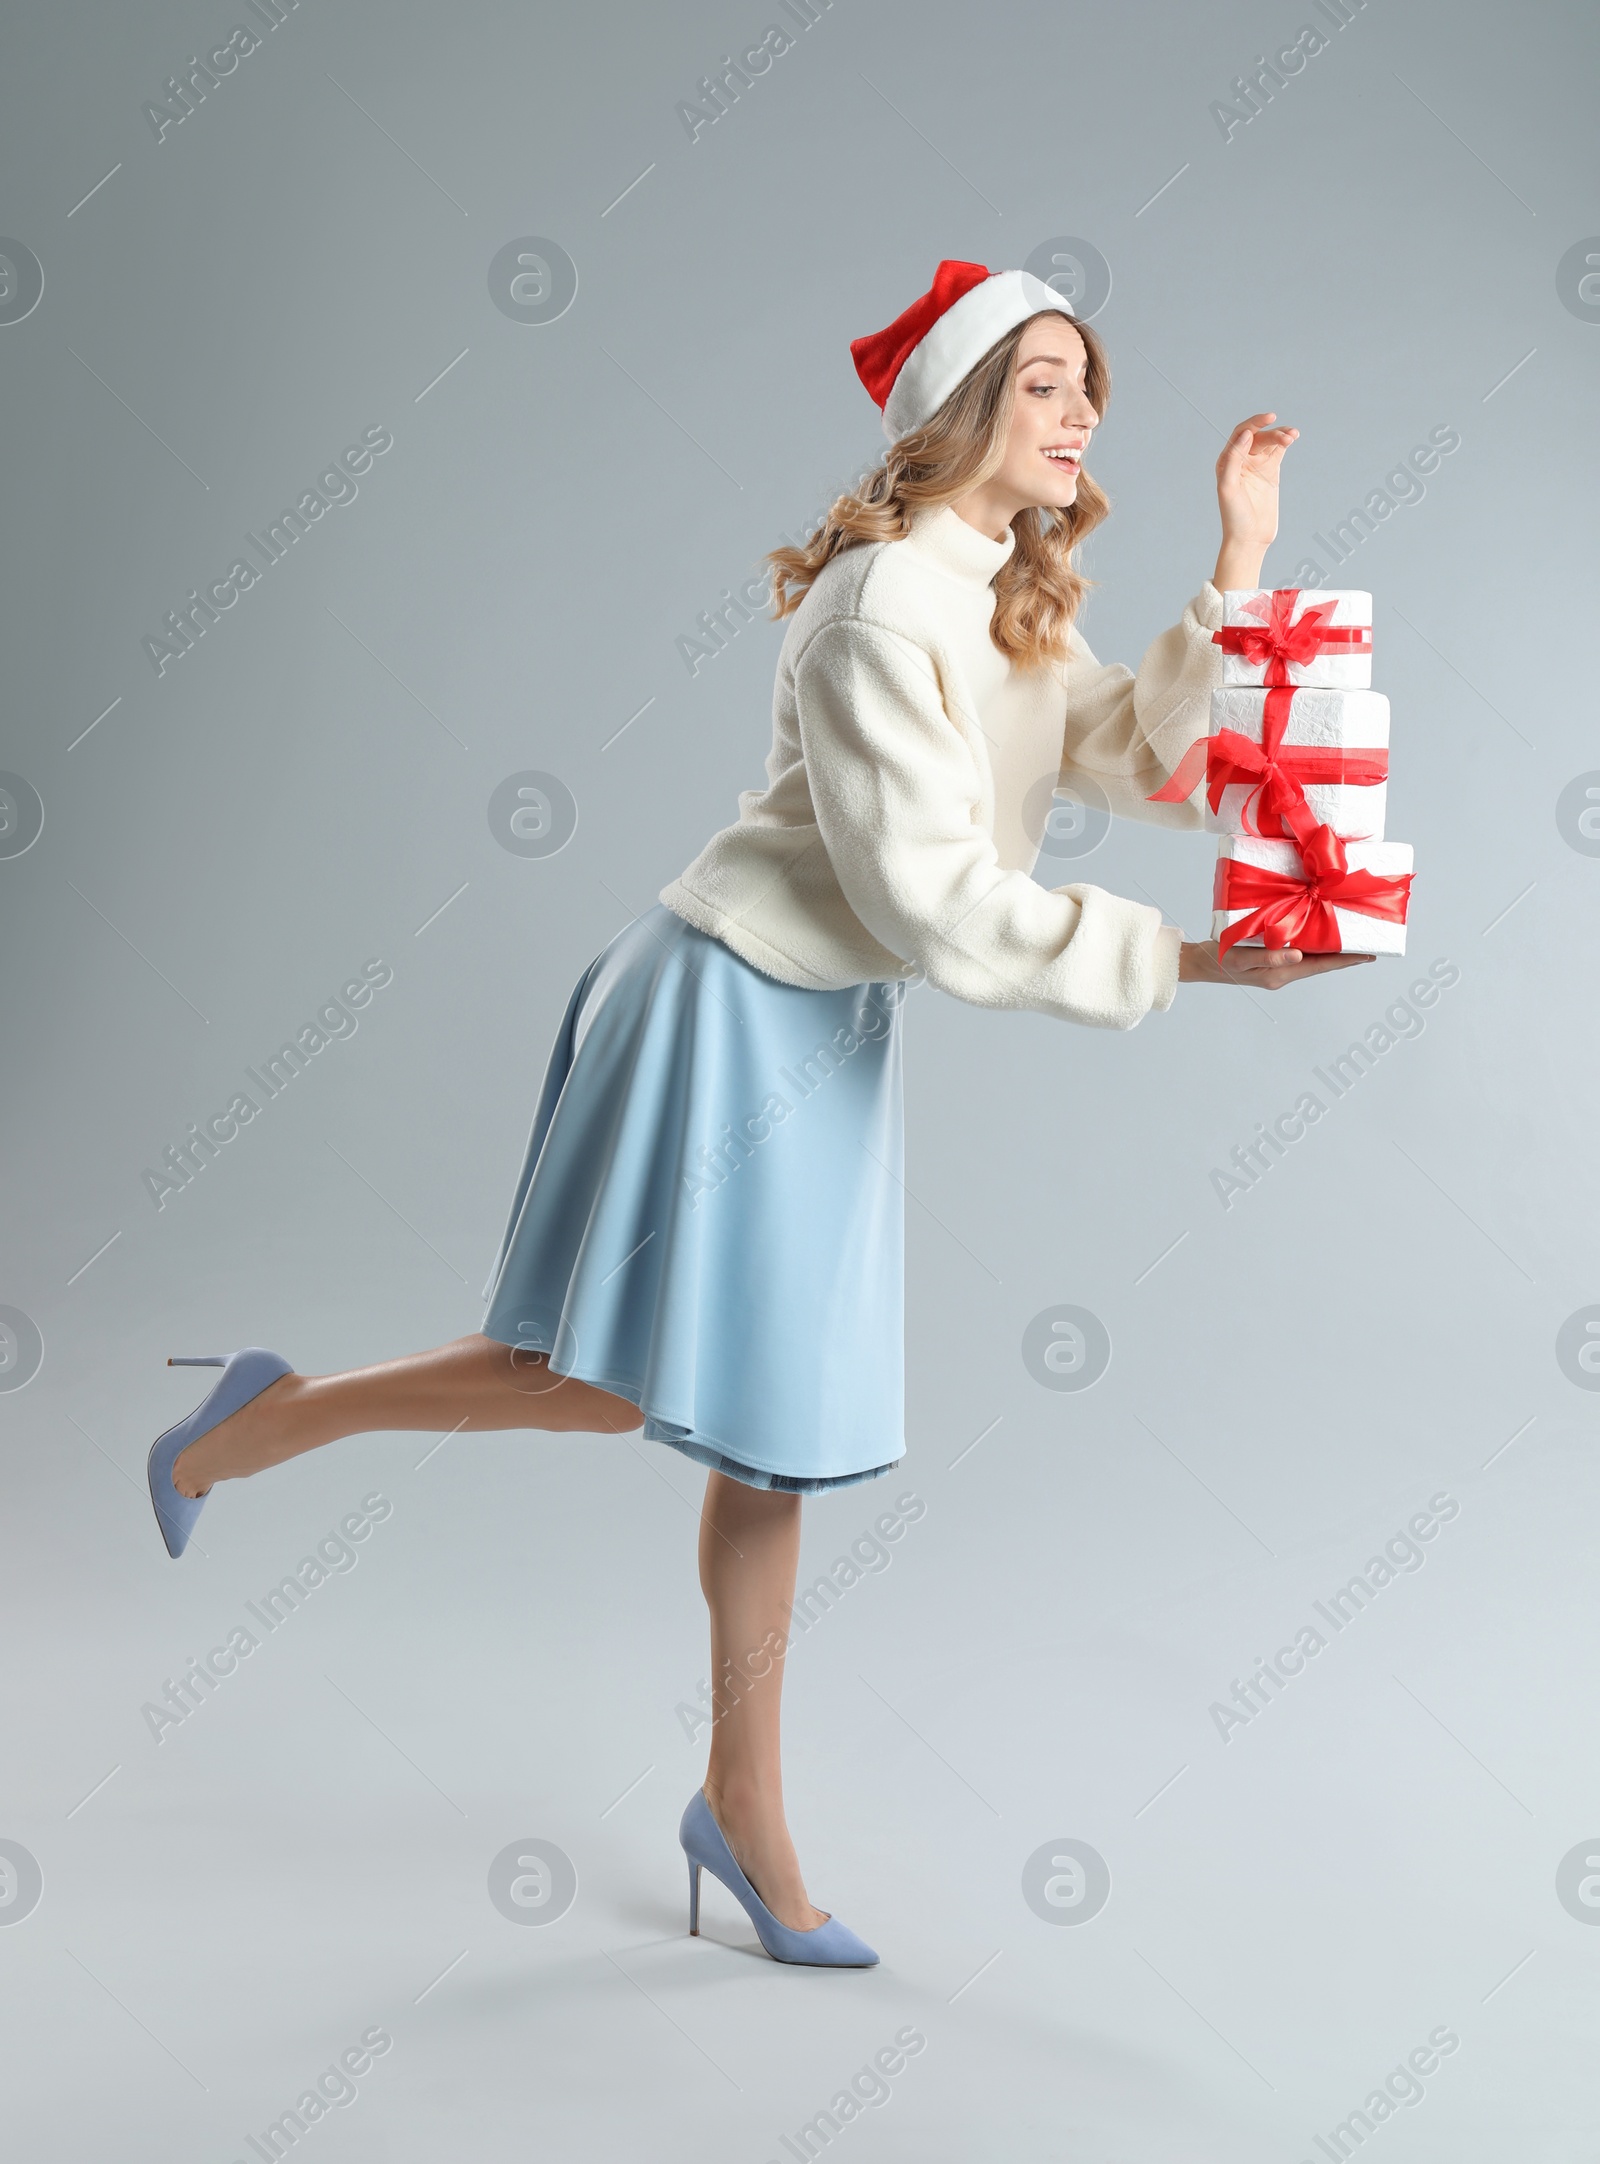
{"points": [[245, 1374], [832, 1945]]}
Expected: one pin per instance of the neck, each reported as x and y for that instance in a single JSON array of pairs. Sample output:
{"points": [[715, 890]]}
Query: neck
{"points": [[989, 509]]}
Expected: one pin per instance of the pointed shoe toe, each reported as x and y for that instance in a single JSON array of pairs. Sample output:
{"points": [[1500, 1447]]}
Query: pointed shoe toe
{"points": [[831, 1945]]}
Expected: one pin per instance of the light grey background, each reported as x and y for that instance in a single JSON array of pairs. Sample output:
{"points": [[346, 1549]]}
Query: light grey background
{"points": [[1292, 1910]]}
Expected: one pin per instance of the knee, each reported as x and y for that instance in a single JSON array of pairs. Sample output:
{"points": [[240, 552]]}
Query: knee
{"points": [[597, 1412], [623, 1418], [564, 1402]]}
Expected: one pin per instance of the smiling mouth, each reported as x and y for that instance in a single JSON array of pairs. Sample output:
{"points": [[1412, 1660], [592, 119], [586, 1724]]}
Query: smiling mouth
{"points": [[1068, 461]]}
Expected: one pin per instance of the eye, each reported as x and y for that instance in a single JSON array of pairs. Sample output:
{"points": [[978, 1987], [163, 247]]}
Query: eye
{"points": [[1043, 388]]}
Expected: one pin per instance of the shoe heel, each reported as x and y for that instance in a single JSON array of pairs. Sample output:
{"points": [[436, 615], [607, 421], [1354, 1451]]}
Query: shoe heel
{"points": [[201, 1360], [829, 1944]]}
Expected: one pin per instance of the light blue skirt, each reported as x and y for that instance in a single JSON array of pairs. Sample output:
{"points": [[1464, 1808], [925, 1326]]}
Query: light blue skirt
{"points": [[709, 1220]]}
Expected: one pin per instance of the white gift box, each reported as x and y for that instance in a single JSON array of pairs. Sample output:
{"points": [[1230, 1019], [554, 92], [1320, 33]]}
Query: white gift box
{"points": [[1345, 664], [1325, 726], [1358, 932]]}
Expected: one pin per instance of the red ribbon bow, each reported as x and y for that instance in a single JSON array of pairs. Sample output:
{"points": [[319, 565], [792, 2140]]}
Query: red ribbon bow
{"points": [[1289, 911], [1278, 640], [1277, 804]]}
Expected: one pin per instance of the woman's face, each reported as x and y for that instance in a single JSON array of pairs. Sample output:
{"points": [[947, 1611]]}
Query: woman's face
{"points": [[1051, 417]]}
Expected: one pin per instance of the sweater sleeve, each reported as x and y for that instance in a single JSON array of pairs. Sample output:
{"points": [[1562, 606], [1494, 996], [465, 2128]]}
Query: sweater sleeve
{"points": [[1126, 733], [897, 796]]}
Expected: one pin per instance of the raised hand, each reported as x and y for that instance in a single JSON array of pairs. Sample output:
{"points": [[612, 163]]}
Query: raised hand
{"points": [[1247, 497]]}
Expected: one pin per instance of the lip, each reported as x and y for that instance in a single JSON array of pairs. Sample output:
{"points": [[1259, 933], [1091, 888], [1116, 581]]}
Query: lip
{"points": [[1072, 463]]}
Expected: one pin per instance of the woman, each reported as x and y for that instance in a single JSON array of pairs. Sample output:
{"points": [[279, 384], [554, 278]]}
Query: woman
{"points": [[706, 1239]]}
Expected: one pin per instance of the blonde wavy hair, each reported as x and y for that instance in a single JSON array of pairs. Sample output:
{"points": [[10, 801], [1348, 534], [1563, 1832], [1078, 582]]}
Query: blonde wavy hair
{"points": [[1037, 590]]}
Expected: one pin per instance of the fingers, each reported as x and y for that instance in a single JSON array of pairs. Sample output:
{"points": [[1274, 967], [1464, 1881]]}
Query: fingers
{"points": [[1264, 450], [1255, 434], [1269, 968], [1312, 965], [1239, 440], [1257, 976], [1266, 968], [1249, 962]]}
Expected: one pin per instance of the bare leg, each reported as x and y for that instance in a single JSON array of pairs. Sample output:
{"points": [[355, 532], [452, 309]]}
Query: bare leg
{"points": [[749, 1553], [471, 1386]]}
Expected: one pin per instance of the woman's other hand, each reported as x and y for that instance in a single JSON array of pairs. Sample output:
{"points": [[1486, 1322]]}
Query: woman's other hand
{"points": [[1247, 498], [1264, 968]]}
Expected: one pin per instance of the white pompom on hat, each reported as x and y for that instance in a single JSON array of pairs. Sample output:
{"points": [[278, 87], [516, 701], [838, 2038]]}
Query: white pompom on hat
{"points": [[914, 363]]}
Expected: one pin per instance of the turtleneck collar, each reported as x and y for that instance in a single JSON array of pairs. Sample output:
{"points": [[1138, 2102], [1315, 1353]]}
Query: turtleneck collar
{"points": [[942, 534]]}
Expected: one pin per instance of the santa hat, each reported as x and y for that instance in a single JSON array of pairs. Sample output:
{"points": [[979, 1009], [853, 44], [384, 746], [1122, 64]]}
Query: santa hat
{"points": [[913, 365]]}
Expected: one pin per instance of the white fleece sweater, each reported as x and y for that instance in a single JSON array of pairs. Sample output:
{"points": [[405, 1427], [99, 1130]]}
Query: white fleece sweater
{"points": [[890, 836]]}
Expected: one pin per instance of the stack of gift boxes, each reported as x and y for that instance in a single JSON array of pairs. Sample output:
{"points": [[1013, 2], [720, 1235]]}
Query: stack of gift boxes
{"points": [[1296, 772]]}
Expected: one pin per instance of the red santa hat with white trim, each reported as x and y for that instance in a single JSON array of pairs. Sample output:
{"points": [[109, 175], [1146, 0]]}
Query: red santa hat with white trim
{"points": [[913, 365]]}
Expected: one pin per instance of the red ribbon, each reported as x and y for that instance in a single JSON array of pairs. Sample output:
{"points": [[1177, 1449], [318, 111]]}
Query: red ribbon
{"points": [[1289, 911], [1277, 803], [1276, 642]]}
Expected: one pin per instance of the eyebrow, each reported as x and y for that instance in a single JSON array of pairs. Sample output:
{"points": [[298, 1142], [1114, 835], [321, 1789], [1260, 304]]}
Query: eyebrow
{"points": [[1055, 360]]}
